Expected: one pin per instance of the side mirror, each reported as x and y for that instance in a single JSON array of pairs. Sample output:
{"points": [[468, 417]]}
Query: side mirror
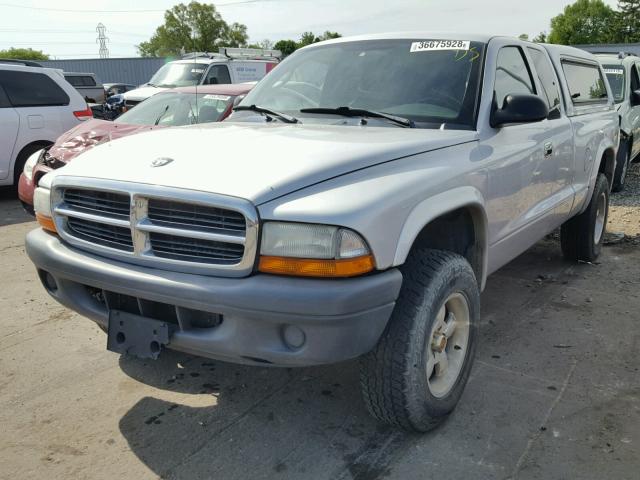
{"points": [[635, 97], [237, 100], [519, 109]]}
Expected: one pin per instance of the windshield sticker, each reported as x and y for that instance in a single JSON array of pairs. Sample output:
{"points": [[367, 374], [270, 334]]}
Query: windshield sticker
{"points": [[614, 71], [431, 45], [224, 98]]}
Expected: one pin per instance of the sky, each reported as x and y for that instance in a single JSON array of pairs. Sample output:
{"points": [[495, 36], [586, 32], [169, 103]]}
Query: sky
{"points": [[67, 28]]}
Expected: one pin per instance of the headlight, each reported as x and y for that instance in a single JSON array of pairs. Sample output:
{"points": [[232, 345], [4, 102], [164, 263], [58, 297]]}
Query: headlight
{"points": [[42, 207], [30, 164], [302, 249]]}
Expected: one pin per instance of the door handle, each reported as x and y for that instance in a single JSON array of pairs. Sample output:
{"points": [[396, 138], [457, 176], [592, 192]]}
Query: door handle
{"points": [[548, 149]]}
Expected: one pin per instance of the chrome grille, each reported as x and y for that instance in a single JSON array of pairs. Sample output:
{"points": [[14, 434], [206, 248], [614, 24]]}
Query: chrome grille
{"points": [[175, 229], [193, 249], [101, 233], [188, 215], [97, 202]]}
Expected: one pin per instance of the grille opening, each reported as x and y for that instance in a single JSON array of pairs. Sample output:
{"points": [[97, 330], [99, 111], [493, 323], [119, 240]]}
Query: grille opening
{"points": [[182, 317], [109, 204], [191, 216], [145, 308], [190, 318], [195, 250], [101, 233]]}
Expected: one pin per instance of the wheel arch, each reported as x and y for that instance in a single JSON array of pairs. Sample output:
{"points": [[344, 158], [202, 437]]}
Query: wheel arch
{"points": [[461, 214], [607, 165], [20, 157]]}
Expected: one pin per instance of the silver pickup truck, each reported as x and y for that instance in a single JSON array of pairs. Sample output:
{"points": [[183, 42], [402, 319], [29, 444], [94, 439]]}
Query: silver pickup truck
{"points": [[353, 206]]}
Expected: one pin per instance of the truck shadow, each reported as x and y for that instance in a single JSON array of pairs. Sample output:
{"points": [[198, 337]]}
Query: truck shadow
{"points": [[208, 419], [280, 417]]}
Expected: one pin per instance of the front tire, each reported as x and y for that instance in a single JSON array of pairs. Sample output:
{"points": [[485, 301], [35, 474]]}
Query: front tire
{"points": [[581, 237], [416, 374], [622, 165]]}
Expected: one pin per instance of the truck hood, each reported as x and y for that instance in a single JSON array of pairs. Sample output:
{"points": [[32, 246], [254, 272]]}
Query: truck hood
{"points": [[140, 94], [258, 162]]}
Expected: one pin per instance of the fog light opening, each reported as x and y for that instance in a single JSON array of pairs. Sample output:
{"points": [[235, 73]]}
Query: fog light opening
{"points": [[294, 337], [49, 282]]}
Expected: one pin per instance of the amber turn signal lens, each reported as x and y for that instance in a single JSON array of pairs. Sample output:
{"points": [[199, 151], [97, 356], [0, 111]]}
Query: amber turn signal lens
{"points": [[312, 267], [46, 222]]}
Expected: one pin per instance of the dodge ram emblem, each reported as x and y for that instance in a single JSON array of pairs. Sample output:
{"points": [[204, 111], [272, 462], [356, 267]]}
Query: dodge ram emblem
{"points": [[161, 162]]}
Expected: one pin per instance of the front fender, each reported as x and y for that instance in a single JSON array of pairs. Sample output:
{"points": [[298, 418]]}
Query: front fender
{"points": [[433, 207]]}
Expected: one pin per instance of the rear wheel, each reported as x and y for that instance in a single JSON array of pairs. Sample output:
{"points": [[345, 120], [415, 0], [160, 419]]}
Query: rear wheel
{"points": [[416, 374], [581, 237], [622, 165], [23, 156]]}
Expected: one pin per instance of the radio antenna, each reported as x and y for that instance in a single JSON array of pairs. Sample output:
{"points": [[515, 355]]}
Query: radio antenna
{"points": [[195, 68]]}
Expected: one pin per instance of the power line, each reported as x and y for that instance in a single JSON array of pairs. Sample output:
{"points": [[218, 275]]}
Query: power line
{"points": [[66, 10], [70, 32]]}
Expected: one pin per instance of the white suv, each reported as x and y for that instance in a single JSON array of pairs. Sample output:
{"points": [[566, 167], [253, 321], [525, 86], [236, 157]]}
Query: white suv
{"points": [[37, 105]]}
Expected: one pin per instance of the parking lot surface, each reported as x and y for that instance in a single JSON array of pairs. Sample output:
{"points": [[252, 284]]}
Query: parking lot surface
{"points": [[554, 392]]}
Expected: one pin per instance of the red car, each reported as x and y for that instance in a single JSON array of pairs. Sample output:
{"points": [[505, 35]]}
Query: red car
{"points": [[170, 108]]}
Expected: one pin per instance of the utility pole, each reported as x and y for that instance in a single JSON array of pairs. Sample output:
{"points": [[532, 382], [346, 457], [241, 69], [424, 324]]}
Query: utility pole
{"points": [[102, 40]]}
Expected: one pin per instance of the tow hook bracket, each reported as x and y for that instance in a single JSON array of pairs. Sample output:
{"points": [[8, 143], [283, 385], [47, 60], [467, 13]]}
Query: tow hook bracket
{"points": [[135, 335]]}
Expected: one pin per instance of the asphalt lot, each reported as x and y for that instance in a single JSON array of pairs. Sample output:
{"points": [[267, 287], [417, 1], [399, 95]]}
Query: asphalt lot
{"points": [[554, 393]]}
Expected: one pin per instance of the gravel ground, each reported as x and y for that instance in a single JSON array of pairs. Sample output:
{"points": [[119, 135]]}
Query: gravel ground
{"points": [[623, 211]]}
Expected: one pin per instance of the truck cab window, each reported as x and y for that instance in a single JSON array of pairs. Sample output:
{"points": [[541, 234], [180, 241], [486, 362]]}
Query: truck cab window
{"points": [[586, 85], [512, 74], [548, 80], [217, 75]]}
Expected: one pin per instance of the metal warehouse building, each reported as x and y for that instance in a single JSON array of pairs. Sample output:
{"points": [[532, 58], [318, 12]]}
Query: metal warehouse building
{"points": [[612, 48], [135, 71]]}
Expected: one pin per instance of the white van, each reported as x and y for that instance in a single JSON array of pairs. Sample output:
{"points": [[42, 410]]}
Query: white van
{"points": [[37, 105], [230, 65]]}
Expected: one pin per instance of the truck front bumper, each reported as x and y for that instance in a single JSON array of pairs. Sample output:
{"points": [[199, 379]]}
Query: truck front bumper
{"points": [[263, 319]]}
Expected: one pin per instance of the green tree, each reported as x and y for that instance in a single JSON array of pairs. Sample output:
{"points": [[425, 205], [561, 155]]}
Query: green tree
{"points": [[328, 36], [287, 47], [193, 27], [523, 36], [628, 21], [540, 38], [585, 21], [24, 54], [307, 38]]}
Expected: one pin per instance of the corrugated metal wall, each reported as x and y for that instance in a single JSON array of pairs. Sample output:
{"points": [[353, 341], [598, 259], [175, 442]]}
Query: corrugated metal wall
{"points": [[612, 48], [111, 70]]}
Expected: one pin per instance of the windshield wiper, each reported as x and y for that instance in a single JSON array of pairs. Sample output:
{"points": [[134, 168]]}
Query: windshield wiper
{"points": [[361, 112], [161, 115], [267, 113]]}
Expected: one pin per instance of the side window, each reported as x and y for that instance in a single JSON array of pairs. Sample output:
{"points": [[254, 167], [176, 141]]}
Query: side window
{"points": [[4, 101], [512, 74], [73, 80], [548, 79], [29, 89], [585, 82], [635, 80], [218, 74]]}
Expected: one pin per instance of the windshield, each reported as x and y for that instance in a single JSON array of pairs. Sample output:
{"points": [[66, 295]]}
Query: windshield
{"points": [[616, 77], [431, 82], [178, 75], [177, 108]]}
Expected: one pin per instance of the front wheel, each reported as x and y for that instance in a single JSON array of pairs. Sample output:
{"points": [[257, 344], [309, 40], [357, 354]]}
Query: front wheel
{"points": [[416, 374], [581, 237]]}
